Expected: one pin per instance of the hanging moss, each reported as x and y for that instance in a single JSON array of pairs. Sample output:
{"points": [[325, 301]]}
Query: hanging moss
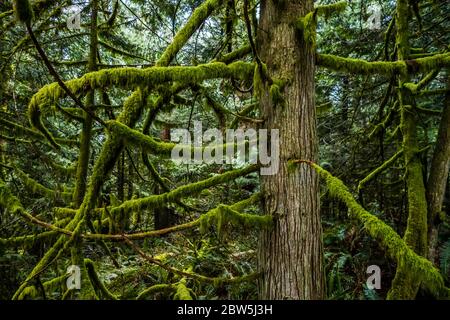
{"points": [[23, 10], [200, 14], [419, 268], [97, 284]]}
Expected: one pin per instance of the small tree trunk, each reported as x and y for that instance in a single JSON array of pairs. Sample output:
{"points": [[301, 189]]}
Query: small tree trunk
{"points": [[437, 180]]}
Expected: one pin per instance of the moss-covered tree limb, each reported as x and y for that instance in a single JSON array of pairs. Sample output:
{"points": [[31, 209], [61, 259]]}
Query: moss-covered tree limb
{"points": [[415, 87], [38, 188], [183, 191], [215, 217], [216, 280], [388, 68], [130, 78], [86, 131], [97, 284], [235, 55], [379, 169], [200, 14], [155, 289], [308, 23], [27, 132], [113, 146], [405, 284]]}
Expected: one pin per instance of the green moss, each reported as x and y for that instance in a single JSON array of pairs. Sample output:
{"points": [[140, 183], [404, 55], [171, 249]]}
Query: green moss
{"points": [[433, 62], [155, 289], [200, 14], [183, 191], [358, 66], [308, 23], [139, 139], [23, 10], [223, 215], [236, 54], [130, 78], [182, 293], [379, 170], [275, 92]]}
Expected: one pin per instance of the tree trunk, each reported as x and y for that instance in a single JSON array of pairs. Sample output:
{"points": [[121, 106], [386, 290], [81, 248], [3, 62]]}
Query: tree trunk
{"points": [[290, 254], [405, 284]]}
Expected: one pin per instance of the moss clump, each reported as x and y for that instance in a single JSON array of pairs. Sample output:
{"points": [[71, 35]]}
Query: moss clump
{"points": [[23, 10], [275, 92]]}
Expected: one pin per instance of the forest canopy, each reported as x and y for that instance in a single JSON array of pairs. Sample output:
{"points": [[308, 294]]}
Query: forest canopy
{"points": [[319, 134]]}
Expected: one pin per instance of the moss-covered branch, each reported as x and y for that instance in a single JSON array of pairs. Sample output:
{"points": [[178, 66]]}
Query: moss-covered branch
{"points": [[359, 66], [183, 191], [419, 268], [214, 280], [155, 289], [200, 14], [38, 188], [388, 68], [97, 284], [379, 170], [130, 78], [308, 23]]}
